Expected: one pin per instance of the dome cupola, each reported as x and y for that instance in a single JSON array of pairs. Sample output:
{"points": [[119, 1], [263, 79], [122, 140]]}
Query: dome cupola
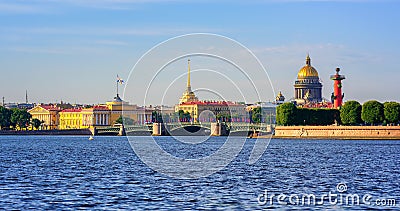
{"points": [[307, 70]]}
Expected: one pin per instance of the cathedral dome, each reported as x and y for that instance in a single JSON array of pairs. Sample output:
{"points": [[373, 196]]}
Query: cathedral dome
{"points": [[307, 70]]}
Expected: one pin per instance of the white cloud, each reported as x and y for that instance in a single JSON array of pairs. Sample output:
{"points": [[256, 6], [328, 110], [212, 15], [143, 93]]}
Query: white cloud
{"points": [[45, 6], [324, 51], [64, 50], [20, 8], [38, 50], [111, 42], [289, 1], [99, 31], [53, 6]]}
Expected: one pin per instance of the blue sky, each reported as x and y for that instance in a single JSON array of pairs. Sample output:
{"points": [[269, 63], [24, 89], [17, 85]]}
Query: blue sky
{"points": [[72, 50]]}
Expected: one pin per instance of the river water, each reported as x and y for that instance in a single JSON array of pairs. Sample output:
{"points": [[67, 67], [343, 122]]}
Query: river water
{"points": [[69, 173]]}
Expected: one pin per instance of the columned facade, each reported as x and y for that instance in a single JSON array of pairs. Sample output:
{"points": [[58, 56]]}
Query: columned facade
{"points": [[48, 114]]}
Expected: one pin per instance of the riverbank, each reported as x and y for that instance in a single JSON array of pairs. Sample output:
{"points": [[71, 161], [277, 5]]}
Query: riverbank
{"points": [[281, 132], [72, 132], [338, 132]]}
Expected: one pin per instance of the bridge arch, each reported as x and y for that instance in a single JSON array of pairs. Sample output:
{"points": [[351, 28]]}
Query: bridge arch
{"points": [[189, 130]]}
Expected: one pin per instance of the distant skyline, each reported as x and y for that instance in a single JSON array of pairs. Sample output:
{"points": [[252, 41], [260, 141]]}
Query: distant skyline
{"points": [[72, 50]]}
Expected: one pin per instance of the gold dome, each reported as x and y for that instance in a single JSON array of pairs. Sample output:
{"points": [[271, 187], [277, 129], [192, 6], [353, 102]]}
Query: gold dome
{"points": [[307, 70]]}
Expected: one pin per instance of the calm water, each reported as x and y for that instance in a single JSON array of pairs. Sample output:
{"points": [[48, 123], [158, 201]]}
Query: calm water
{"points": [[74, 173]]}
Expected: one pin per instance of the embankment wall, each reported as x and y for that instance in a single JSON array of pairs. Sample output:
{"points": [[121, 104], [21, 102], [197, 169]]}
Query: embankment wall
{"points": [[47, 132], [338, 132]]}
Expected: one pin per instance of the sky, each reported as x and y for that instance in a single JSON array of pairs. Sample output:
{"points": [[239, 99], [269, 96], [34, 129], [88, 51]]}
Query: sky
{"points": [[72, 50]]}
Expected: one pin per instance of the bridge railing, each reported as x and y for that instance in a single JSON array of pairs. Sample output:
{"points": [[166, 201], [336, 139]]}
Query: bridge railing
{"points": [[233, 126]]}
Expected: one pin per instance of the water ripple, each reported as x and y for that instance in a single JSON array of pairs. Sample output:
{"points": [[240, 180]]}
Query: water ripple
{"points": [[71, 173]]}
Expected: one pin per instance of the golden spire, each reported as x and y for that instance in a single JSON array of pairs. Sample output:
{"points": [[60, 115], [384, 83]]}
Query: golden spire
{"points": [[188, 88], [188, 80], [188, 95], [308, 60]]}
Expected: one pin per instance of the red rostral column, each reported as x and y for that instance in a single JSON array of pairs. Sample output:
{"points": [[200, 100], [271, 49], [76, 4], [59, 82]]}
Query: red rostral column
{"points": [[337, 96]]}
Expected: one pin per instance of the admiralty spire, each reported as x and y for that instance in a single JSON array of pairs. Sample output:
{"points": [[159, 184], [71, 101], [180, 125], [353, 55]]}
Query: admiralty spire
{"points": [[188, 95]]}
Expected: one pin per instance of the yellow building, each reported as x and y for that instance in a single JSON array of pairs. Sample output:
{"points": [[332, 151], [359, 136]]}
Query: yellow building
{"points": [[70, 119], [96, 116], [102, 115], [209, 111], [118, 107], [78, 118], [48, 114]]}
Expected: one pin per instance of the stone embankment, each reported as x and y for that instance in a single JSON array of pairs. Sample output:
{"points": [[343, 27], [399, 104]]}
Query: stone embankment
{"points": [[47, 132], [338, 132]]}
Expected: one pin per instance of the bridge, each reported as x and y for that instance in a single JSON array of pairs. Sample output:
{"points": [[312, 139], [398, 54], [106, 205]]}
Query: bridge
{"points": [[185, 128]]}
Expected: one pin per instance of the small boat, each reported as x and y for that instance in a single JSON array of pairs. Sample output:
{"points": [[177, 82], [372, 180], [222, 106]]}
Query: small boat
{"points": [[91, 138]]}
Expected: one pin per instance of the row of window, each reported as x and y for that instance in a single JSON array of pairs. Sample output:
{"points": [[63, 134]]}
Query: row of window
{"points": [[224, 108]]}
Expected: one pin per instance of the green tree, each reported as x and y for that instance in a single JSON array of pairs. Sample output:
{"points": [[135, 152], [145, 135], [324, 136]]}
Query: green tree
{"points": [[36, 123], [124, 120], [20, 118], [350, 113], [391, 111], [256, 115], [156, 116], [184, 116], [285, 114], [372, 112], [223, 117], [119, 120], [5, 117], [316, 116]]}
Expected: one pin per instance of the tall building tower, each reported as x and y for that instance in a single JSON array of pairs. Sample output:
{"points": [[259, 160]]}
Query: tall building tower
{"points": [[188, 95], [307, 87], [337, 96]]}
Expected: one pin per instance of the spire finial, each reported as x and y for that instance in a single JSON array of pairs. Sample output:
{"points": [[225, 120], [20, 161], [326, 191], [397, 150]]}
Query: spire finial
{"points": [[188, 79], [308, 60]]}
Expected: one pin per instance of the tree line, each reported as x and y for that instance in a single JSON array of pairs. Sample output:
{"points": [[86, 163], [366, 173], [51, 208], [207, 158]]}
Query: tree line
{"points": [[351, 113], [182, 116], [17, 119], [289, 114]]}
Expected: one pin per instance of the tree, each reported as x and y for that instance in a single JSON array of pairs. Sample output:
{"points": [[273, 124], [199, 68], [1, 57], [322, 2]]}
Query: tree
{"points": [[124, 120], [5, 117], [316, 116], [256, 115], [20, 118], [350, 113], [156, 116], [223, 117], [119, 120], [391, 111], [36, 123], [285, 114], [184, 116], [372, 112]]}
